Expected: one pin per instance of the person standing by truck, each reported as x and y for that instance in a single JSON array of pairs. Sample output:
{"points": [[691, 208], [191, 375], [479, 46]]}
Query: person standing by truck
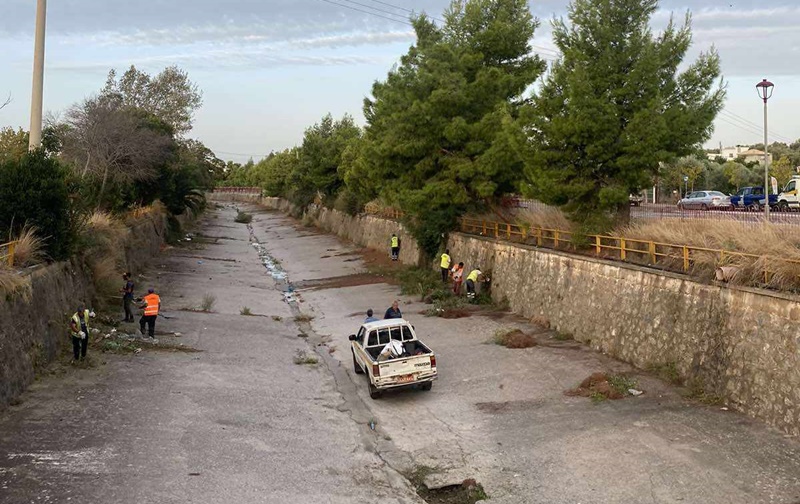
{"points": [[393, 311], [445, 265], [151, 303], [395, 244]]}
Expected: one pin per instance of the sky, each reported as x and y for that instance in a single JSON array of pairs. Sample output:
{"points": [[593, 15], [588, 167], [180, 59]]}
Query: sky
{"points": [[268, 69]]}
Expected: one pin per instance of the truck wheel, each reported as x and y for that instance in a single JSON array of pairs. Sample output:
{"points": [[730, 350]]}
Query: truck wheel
{"points": [[783, 206], [426, 386], [356, 367], [374, 393]]}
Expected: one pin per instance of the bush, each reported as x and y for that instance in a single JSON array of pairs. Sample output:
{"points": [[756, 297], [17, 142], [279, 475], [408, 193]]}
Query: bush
{"points": [[243, 218], [35, 191]]}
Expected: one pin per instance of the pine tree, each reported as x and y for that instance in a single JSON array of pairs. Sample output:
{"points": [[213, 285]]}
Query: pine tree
{"points": [[435, 142], [613, 107]]}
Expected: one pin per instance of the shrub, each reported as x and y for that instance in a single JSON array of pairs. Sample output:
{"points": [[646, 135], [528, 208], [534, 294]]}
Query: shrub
{"points": [[243, 218], [208, 302], [28, 250], [35, 191]]}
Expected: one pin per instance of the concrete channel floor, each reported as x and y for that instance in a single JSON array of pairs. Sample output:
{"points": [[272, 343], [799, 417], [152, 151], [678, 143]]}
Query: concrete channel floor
{"points": [[240, 422]]}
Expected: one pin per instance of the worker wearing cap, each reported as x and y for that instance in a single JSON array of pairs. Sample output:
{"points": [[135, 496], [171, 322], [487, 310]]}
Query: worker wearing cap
{"points": [[79, 331], [471, 279], [151, 303]]}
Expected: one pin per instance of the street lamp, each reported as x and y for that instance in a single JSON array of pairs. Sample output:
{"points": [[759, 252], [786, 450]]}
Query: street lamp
{"points": [[764, 89]]}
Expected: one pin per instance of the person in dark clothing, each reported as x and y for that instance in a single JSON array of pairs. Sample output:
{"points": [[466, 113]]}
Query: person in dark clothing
{"points": [[393, 311], [127, 297]]}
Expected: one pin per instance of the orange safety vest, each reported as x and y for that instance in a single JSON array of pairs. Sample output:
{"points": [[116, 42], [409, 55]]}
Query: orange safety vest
{"points": [[152, 301]]}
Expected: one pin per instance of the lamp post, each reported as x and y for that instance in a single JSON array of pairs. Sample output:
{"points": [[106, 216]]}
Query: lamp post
{"points": [[764, 89], [35, 136]]}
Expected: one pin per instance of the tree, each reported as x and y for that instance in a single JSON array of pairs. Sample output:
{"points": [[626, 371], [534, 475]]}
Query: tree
{"points": [[170, 95], [13, 144], [738, 174], [782, 170], [438, 128], [35, 191], [614, 106], [113, 144], [320, 157]]}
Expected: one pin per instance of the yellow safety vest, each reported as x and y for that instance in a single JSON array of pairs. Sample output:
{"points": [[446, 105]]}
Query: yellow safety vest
{"points": [[395, 242], [474, 275], [77, 319], [445, 261], [152, 301]]}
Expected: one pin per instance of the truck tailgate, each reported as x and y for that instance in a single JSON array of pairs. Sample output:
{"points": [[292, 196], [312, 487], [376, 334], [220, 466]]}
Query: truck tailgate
{"points": [[405, 370]]}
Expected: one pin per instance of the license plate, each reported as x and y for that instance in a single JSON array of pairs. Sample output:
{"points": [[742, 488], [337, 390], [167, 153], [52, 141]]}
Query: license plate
{"points": [[405, 378]]}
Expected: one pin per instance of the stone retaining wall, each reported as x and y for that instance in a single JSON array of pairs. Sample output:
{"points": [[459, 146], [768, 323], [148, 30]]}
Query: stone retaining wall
{"points": [[34, 328], [739, 344]]}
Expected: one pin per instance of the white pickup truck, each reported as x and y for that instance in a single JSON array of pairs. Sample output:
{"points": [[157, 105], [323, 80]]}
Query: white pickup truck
{"points": [[389, 352]]}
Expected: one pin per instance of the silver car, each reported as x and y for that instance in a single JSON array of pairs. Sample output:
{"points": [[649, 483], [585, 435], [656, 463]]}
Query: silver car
{"points": [[706, 200]]}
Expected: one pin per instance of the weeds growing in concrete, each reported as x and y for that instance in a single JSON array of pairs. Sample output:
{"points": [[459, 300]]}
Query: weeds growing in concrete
{"points": [[303, 358], [697, 392], [245, 311], [207, 304], [563, 336], [667, 371], [303, 317], [243, 218], [277, 318], [622, 383]]}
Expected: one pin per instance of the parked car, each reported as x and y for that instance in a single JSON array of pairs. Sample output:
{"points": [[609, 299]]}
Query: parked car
{"points": [[391, 356], [752, 198], [706, 200], [635, 199], [789, 198]]}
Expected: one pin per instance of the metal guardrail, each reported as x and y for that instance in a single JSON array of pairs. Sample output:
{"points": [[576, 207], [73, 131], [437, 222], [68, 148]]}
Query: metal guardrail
{"points": [[8, 255], [238, 190], [641, 252]]}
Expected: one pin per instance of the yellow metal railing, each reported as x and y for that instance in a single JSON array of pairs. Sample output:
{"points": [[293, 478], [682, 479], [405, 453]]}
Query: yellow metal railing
{"points": [[647, 252], [7, 251], [386, 213]]}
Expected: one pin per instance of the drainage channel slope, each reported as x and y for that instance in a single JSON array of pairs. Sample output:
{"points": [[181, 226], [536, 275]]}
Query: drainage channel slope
{"points": [[399, 466]]}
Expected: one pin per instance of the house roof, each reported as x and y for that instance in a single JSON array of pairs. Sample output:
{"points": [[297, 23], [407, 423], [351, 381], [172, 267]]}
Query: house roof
{"points": [[752, 152]]}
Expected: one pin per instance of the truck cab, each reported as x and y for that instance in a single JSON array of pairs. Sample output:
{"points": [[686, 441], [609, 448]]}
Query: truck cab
{"points": [[789, 199]]}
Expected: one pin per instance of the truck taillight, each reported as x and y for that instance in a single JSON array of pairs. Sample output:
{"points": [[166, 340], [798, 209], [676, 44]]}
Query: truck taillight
{"points": [[376, 370], [433, 361]]}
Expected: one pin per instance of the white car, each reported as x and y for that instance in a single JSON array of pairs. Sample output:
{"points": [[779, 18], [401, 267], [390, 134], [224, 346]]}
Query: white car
{"points": [[706, 200]]}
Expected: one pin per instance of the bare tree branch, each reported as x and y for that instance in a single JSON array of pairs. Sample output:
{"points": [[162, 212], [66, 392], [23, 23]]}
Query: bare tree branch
{"points": [[5, 103]]}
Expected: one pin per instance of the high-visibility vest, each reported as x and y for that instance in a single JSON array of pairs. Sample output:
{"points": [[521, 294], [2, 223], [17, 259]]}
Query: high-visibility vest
{"points": [[395, 242], [474, 275], [445, 261], [152, 301], [77, 319]]}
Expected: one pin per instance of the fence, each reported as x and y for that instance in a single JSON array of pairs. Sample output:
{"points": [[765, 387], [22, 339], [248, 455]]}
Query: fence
{"points": [[664, 211], [238, 190], [665, 256], [7, 252], [386, 213]]}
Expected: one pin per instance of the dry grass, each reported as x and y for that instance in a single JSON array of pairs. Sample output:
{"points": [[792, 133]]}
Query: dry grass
{"points": [[543, 217], [773, 245], [28, 250], [13, 283]]}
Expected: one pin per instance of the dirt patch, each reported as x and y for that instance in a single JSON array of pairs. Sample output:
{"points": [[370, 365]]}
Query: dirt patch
{"points": [[205, 258], [506, 406], [601, 386], [514, 338], [438, 491], [455, 313], [341, 281]]}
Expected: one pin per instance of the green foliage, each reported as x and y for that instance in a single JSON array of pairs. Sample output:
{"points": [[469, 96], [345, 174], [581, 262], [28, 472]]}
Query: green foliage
{"points": [[13, 143], [243, 217], [439, 126], [35, 191], [614, 106], [782, 170]]}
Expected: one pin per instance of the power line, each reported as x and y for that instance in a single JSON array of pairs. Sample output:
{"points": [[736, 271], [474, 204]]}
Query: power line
{"points": [[368, 12], [734, 117], [395, 6], [376, 9]]}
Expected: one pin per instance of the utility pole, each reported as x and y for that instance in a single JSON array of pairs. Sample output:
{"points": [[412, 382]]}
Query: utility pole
{"points": [[35, 137]]}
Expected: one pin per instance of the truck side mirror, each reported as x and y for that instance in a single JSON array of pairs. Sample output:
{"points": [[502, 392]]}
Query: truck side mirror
{"points": [[352, 337]]}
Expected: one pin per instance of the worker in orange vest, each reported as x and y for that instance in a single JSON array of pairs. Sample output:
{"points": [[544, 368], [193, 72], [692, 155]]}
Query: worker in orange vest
{"points": [[151, 303]]}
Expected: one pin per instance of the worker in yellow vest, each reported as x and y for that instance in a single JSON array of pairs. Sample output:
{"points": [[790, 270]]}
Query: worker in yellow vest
{"points": [[151, 303], [472, 278], [79, 331], [395, 244], [445, 265]]}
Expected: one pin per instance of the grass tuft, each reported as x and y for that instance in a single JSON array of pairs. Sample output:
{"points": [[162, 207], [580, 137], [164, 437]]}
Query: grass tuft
{"points": [[303, 358], [245, 311], [28, 250], [303, 317], [243, 218], [207, 304]]}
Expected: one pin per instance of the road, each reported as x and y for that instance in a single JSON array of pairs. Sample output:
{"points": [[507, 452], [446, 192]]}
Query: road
{"points": [[239, 421]]}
